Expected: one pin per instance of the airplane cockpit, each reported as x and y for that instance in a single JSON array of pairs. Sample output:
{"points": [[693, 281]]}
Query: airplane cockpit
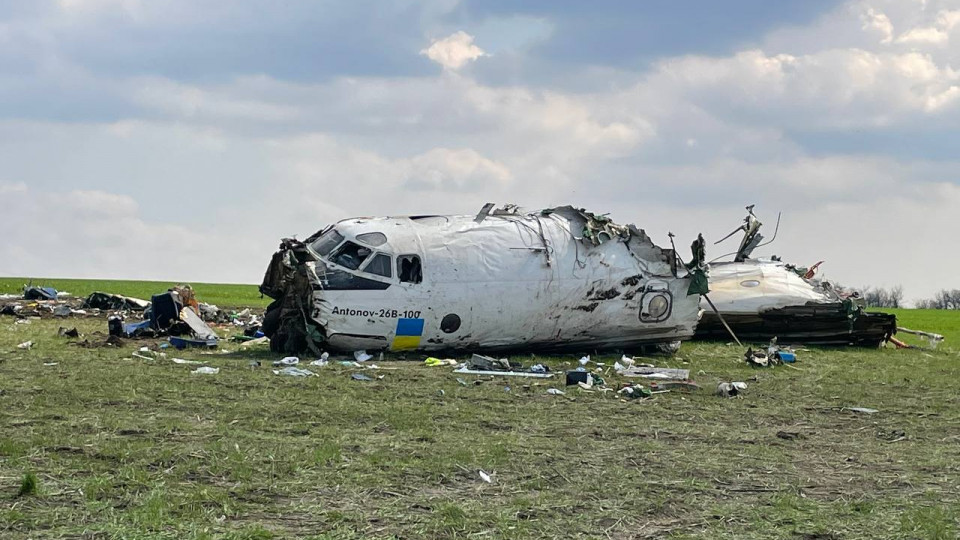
{"points": [[363, 261]]}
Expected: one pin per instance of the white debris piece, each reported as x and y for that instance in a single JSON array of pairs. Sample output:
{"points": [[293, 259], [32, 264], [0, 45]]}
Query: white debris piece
{"points": [[486, 477], [362, 356], [294, 372], [206, 370], [182, 361], [288, 361], [26, 345], [731, 389]]}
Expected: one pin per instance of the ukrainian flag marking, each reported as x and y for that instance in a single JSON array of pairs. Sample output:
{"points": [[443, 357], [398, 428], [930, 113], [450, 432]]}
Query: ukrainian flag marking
{"points": [[408, 334]]}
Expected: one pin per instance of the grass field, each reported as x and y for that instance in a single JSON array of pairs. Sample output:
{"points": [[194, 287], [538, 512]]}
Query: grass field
{"points": [[223, 295], [127, 448]]}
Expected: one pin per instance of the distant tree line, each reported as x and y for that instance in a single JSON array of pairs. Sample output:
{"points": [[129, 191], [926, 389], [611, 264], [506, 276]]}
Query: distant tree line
{"points": [[882, 297], [945, 299]]}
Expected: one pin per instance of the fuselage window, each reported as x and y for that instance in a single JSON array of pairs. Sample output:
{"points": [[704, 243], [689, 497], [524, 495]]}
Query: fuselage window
{"points": [[350, 255], [326, 242], [372, 238], [379, 265], [408, 269]]}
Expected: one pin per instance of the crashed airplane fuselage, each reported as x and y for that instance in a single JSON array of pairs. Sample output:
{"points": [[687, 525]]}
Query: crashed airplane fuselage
{"points": [[560, 279]]}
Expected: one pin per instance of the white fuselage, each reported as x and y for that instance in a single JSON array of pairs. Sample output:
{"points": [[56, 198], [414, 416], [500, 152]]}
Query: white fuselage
{"points": [[508, 282]]}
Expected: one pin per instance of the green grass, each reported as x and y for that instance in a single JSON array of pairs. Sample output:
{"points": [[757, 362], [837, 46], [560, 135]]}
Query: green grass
{"points": [[127, 448], [223, 295], [929, 320]]}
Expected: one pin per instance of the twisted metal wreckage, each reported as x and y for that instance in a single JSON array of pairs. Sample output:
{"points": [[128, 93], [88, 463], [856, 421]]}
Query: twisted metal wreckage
{"points": [[764, 298], [506, 279]]}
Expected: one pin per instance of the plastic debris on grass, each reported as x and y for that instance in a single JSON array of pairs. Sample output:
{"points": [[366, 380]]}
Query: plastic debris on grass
{"points": [[291, 371]]}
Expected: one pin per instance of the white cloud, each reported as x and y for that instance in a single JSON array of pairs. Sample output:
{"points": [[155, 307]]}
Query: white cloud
{"points": [[875, 21], [453, 170], [191, 101], [453, 51], [924, 35], [837, 88], [95, 234]]}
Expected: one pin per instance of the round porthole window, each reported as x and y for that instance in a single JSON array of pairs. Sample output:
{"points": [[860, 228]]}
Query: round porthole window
{"points": [[658, 307], [450, 323], [750, 283]]}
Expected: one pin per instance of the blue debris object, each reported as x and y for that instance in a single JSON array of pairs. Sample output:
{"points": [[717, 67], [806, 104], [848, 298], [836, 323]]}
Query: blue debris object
{"points": [[164, 310], [132, 329], [40, 293], [787, 357], [180, 343]]}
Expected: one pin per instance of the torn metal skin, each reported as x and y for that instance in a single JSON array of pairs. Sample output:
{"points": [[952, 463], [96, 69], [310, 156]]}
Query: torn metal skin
{"points": [[503, 280], [765, 298]]}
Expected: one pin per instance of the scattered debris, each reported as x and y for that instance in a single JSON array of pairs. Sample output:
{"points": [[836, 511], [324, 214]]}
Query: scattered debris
{"points": [[48, 364], [862, 410], [26, 345], [39, 293], [361, 356], [288, 361], [731, 389], [182, 361], [434, 362], [360, 377], [294, 372], [758, 358], [579, 376], [69, 333], [893, 435], [485, 365], [555, 392], [465, 371], [790, 435], [199, 328], [486, 477], [263, 341], [656, 373], [933, 340], [116, 302], [635, 391], [322, 361], [206, 370], [180, 343]]}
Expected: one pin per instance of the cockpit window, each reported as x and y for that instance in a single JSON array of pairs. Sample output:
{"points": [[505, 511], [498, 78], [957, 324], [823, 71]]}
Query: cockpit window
{"points": [[350, 255], [379, 265], [326, 242], [372, 238], [408, 269]]}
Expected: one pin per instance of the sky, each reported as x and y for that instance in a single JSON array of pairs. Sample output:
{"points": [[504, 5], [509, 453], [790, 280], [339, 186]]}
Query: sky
{"points": [[181, 139]]}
